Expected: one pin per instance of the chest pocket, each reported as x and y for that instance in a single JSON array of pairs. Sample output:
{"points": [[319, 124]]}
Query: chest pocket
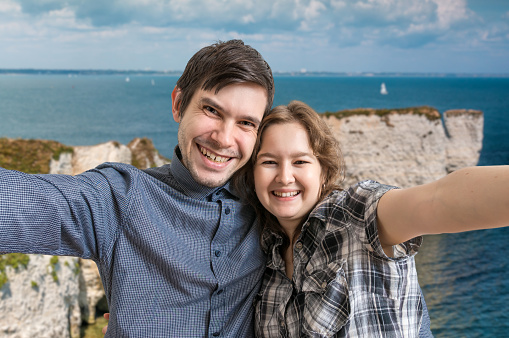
{"points": [[326, 305]]}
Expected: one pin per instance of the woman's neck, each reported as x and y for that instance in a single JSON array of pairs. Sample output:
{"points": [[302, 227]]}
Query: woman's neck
{"points": [[293, 233]]}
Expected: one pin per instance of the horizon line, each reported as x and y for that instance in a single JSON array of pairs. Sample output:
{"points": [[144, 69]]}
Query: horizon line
{"points": [[77, 71]]}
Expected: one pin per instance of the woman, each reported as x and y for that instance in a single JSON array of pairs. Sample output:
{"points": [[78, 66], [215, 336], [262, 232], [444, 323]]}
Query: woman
{"points": [[340, 263]]}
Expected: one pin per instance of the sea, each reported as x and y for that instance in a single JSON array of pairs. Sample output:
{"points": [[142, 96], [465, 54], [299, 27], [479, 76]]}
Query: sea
{"points": [[464, 277]]}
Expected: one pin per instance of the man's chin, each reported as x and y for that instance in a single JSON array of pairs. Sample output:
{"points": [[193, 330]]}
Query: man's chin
{"points": [[211, 180]]}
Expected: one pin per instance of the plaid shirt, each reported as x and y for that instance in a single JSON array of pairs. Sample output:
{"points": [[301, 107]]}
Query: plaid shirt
{"points": [[343, 284]]}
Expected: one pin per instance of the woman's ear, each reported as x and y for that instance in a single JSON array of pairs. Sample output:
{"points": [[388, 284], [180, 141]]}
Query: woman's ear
{"points": [[322, 181], [175, 103]]}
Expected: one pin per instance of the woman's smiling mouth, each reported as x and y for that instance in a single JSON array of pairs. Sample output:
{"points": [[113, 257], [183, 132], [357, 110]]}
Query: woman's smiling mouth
{"points": [[286, 194]]}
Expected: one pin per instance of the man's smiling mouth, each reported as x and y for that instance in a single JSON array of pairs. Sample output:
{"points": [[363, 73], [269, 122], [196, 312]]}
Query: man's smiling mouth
{"points": [[213, 157]]}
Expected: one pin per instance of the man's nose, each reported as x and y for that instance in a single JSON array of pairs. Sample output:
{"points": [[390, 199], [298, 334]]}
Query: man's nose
{"points": [[224, 135]]}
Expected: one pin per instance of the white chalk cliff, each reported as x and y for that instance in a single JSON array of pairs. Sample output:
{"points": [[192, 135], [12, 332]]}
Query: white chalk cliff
{"points": [[406, 147], [402, 147]]}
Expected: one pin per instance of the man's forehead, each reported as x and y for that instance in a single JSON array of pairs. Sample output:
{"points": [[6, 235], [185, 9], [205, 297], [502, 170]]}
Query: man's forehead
{"points": [[221, 98], [216, 90]]}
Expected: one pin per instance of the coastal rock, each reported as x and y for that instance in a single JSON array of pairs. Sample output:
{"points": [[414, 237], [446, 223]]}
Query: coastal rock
{"points": [[140, 152], [41, 300], [87, 157], [144, 154], [464, 134], [406, 147], [91, 290]]}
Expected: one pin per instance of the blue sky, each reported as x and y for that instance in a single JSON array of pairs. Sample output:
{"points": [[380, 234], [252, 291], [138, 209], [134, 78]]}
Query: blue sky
{"points": [[452, 36]]}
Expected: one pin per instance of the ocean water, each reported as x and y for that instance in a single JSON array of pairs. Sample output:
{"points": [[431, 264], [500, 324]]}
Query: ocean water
{"points": [[465, 277]]}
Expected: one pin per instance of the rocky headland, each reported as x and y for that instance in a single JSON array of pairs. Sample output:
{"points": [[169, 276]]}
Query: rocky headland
{"points": [[406, 147], [44, 296]]}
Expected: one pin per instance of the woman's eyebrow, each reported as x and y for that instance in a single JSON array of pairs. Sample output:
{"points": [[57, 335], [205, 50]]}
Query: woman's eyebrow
{"points": [[296, 154]]}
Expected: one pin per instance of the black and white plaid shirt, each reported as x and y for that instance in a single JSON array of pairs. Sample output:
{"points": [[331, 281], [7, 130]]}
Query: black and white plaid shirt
{"points": [[343, 284]]}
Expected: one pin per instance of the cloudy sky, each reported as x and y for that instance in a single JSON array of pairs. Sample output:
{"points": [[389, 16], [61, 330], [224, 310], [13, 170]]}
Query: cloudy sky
{"points": [[453, 36]]}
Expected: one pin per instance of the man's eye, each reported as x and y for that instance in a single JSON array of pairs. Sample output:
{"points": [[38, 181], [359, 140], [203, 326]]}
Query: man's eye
{"points": [[248, 124], [211, 110]]}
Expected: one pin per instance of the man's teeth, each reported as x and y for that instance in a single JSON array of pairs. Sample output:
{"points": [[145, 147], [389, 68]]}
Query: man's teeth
{"points": [[285, 194], [213, 157]]}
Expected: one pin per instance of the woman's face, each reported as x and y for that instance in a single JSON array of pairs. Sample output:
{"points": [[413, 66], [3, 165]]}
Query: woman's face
{"points": [[287, 174]]}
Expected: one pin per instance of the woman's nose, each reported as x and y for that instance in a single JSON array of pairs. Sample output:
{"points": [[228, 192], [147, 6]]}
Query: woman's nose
{"points": [[285, 175]]}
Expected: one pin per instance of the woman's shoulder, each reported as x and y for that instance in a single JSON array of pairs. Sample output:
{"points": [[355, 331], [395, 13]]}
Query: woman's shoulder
{"points": [[356, 195]]}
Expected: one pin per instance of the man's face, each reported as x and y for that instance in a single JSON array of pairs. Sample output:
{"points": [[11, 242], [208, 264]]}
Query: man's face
{"points": [[217, 132]]}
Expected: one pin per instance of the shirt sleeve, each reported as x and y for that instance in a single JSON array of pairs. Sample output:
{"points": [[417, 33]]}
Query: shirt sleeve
{"points": [[369, 194], [57, 214]]}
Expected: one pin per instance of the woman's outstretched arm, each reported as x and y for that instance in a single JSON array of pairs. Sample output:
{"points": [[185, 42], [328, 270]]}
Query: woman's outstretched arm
{"points": [[467, 199]]}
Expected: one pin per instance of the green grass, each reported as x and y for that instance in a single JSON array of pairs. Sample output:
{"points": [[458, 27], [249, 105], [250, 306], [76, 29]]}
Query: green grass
{"points": [[30, 156], [94, 330], [14, 260], [429, 112]]}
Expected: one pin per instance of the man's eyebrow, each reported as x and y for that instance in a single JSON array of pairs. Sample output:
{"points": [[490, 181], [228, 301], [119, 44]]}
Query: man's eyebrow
{"points": [[210, 102], [252, 119]]}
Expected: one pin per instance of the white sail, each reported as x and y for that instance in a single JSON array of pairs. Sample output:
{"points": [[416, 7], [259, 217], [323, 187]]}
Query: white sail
{"points": [[383, 89]]}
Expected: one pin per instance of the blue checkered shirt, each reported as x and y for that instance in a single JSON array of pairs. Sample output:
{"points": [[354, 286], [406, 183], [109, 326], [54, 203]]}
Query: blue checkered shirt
{"points": [[343, 283], [177, 259]]}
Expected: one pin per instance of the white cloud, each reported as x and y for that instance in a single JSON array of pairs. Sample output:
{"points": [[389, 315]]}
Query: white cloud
{"points": [[248, 19], [9, 6], [283, 25], [451, 11]]}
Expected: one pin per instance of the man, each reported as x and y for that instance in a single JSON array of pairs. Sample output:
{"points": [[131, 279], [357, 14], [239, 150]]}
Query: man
{"points": [[177, 251]]}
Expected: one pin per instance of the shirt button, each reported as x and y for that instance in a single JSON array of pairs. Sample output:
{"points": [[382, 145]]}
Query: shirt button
{"points": [[227, 210], [217, 253], [298, 245], [219, 292], [324, 285], [282, 323], [216, 334]]}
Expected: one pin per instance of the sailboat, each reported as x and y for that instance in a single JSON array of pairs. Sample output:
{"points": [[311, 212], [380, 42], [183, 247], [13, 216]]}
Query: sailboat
{"points": [[383, 89]]}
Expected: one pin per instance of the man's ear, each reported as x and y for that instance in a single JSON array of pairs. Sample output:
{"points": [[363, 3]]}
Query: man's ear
{"points": [[175, 104]]}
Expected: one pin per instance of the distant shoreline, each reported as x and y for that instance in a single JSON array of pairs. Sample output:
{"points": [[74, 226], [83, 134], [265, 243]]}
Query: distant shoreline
{"points": [[71, 72]]}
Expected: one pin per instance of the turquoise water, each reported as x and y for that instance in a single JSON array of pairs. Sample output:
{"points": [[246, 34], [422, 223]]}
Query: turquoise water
{"points": [[465, 277]]}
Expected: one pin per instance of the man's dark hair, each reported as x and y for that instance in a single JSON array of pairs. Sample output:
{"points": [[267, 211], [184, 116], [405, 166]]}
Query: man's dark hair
{"points": [[221, 64]]}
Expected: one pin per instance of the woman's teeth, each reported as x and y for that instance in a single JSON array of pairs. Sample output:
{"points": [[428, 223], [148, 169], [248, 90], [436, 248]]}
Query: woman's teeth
{"points": [[285, 194]]}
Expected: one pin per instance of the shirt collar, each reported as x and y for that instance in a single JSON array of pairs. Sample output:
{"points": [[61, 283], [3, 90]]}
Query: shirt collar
{"points": [[187, 183], [270, 243]]}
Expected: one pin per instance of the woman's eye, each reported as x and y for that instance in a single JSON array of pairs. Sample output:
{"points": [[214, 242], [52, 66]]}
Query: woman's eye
{"points": [[301, 162]]}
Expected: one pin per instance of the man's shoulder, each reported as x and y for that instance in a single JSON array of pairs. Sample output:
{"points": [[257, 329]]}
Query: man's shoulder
{"points": [[129, 169], [127, 173]]}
